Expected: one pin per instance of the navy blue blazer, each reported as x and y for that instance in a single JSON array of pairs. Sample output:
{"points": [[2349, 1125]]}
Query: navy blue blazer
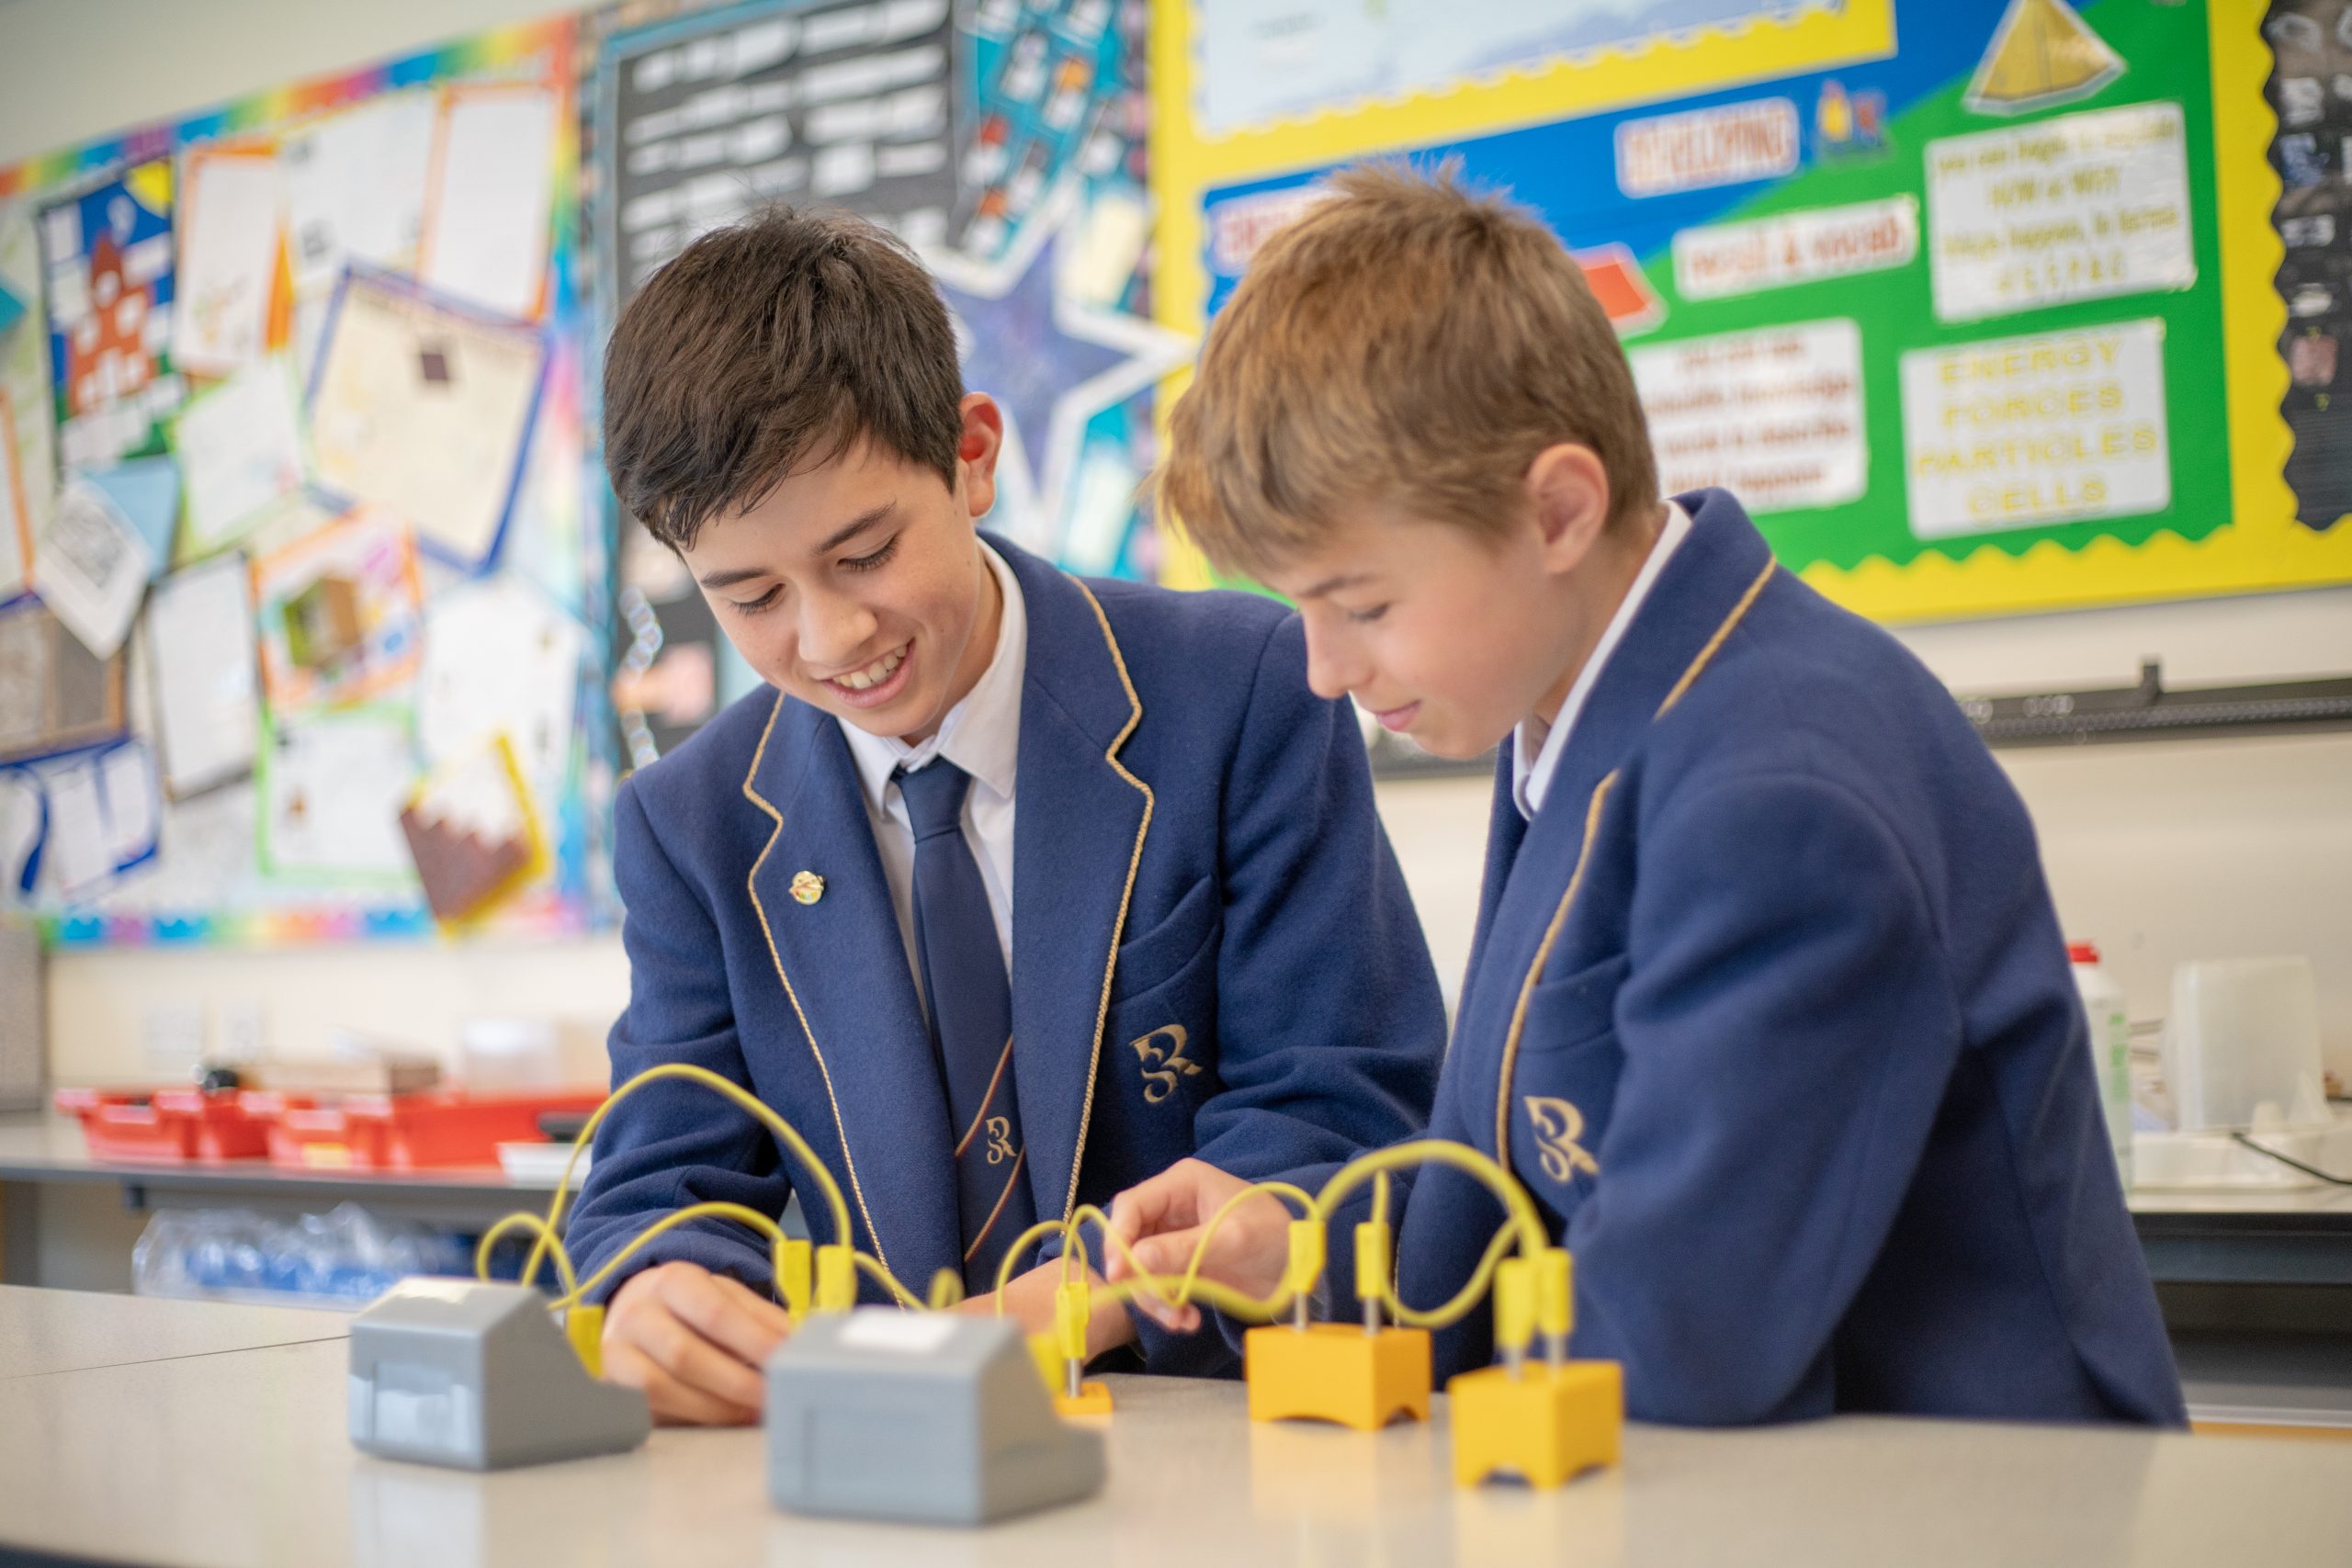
{"points": [[1769, 1010], [1213, 950]]}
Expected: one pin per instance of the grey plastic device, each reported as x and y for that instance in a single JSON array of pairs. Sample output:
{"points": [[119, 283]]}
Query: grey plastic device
{"points": [[478, 1377], [930, 1417]]}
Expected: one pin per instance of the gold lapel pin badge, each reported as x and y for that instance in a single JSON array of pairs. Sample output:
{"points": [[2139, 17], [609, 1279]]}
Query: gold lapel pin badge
{"points": [[808, 886]]}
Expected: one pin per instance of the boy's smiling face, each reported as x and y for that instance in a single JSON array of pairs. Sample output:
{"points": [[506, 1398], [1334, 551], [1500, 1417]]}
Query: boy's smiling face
{"points": [[1452, 636], [858, 586]]}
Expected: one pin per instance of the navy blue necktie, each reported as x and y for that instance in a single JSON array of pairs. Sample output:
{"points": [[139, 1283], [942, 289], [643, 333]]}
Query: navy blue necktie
{"points": [[971, 1021]]}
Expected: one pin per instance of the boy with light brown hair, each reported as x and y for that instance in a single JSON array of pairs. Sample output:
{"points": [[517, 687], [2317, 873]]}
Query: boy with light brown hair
{"points": [[1768, 1006]]}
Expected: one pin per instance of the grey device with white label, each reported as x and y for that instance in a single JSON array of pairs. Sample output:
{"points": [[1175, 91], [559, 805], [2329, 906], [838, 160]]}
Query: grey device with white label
{"points": [[931, 1418], [479, 1377]]}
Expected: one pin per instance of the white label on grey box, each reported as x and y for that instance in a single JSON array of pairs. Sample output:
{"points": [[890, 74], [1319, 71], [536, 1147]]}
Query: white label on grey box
{"points": [[2083, 207], [1774, 416], [2019, 432]]}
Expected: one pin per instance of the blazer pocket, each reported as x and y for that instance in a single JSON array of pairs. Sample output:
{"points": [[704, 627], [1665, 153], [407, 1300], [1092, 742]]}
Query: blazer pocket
{"points": [[1575, 1011], [1164, 951]]}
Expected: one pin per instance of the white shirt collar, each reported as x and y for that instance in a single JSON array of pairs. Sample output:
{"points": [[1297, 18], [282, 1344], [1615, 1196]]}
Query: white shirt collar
{"points": [[981, 734], [1536, 750]]}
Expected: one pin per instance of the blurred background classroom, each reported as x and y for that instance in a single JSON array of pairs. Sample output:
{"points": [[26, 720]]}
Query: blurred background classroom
{"points": [[322, 645]]}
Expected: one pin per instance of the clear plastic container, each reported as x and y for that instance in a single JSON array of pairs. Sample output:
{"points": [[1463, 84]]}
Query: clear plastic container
{"points": [[2242, 1044]]}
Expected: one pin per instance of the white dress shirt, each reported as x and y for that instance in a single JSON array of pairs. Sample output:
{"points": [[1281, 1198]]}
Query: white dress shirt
{"points": [[1535, 748], [980, 735]]}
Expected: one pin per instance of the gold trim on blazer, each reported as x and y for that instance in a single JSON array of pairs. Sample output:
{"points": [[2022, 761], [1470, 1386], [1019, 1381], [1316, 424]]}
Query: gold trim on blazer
{"points": [[1119, 926], [1575, 877], [752, 887]]}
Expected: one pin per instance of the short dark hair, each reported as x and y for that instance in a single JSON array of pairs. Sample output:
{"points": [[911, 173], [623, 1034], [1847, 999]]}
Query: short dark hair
{"points": [[772, 345]]}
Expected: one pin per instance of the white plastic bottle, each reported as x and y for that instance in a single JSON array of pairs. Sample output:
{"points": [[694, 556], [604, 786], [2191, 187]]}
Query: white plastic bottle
{"points": [[2110, 1030]]}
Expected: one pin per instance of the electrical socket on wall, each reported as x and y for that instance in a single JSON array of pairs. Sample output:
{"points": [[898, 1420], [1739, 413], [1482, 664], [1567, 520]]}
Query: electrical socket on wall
{"points": [[241, 1039], [172, 1036]]}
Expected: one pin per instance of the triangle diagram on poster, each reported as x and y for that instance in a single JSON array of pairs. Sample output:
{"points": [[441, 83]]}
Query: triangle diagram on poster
{"points": [[2042, 54]]}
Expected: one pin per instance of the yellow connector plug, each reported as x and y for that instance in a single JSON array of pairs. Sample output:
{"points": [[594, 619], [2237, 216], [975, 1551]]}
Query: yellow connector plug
{"points": [[583, 1326], [795, 1275], [1073, 1306], [836, 1278], [1306, 1254], [1514, 1308], [1555, 1301], [1374, 1263]]}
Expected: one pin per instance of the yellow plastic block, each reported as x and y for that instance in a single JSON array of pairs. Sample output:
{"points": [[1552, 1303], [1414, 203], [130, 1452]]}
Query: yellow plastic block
{"points": [[583, 1326], [1092, 1399], [1545, 1425], [1335, 1371]]}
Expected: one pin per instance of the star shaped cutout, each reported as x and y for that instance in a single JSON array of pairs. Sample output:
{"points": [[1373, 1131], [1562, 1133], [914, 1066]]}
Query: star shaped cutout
{"points": [[1051, 361]]}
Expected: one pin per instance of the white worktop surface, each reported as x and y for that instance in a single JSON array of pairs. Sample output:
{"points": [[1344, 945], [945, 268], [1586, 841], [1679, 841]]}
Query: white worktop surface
{"points": [[241, 1458]]}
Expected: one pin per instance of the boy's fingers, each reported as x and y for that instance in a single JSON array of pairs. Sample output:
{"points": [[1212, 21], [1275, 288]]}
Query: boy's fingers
{"points": [[671, 1401], [665, 1339], [726, 1313], [1170, 1252]]}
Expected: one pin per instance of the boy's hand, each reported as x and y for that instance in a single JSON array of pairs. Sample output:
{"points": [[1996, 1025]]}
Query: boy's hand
{"points": [[1029, 1300], [696, 1342], [1161, 1220]]}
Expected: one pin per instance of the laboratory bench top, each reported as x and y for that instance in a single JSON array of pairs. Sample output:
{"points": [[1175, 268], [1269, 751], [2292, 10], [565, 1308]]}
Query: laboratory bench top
{"points": [[242, 1458], [45, 1332]]}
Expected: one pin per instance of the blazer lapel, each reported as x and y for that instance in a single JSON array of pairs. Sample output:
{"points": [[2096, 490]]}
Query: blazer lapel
{"points": [[1694, 605], [1078, 836], [842, 969]]}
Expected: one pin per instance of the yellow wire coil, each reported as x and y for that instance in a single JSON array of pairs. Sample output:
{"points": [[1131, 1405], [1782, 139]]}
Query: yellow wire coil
{"points": [[837, 1265]]}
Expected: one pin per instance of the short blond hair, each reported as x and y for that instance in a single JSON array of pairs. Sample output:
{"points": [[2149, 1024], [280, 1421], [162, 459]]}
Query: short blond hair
{"points": [[1408, 343]]}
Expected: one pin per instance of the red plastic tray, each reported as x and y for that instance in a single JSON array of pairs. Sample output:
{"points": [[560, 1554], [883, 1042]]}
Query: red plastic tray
{"points": [[166, 1126], [405, 1132]]}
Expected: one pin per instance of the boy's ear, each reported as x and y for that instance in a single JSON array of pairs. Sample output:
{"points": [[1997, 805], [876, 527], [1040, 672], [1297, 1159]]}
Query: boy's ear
{"points": [[977, 449], [1567, 489]]}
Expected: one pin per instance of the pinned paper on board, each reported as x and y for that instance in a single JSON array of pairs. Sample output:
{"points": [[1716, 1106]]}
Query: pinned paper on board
{"points": [[55, 695], [239, 446], [402, 372], [104, 819], [2103, 211], [500, 660], [92, 567], [23, 820], [2043, 54], [474, 834], [339, 612], [231, 253], [203, 656], [12, 310], [331, 793], [146, 490], [107, 259], [355, 188], [16, 509], [492, 188]]}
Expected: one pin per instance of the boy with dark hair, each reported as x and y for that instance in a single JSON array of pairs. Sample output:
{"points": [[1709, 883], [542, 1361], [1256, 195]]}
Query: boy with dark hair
{"points": [[1015, 889], [1767, 1007]]}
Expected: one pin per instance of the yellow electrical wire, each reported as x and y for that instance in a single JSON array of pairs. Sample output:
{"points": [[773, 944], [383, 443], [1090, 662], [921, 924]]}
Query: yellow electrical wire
{"points": [[1438, 1151], [715, 1210], [946, 1288], [744, 1097]]}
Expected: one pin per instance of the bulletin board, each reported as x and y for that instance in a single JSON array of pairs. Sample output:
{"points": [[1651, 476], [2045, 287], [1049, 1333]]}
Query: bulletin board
{"points": [[297, 581], [1980, 304], [1002, 139]]}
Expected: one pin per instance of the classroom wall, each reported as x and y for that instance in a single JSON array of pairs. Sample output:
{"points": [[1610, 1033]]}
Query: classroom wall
{"points": [[2159, 852]]}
